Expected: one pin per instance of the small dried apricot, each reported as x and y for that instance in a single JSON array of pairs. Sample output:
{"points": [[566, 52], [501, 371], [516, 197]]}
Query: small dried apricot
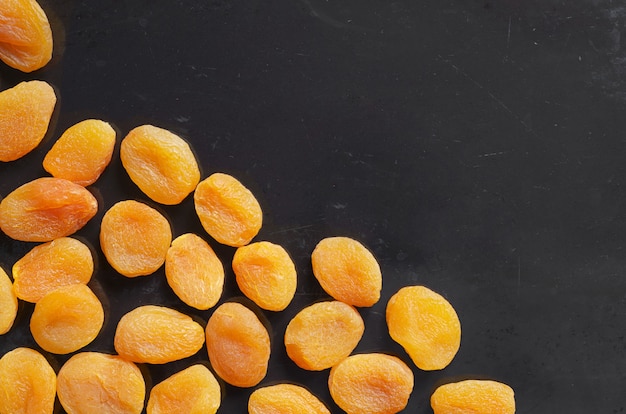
{"points": [[157, 335], [285, 399], [347, 271], [473, 397], [426, 326], [8, 303], [238, 345], [265, 274], [323, 334], [371, 384], [228, 211], [134, 238]]}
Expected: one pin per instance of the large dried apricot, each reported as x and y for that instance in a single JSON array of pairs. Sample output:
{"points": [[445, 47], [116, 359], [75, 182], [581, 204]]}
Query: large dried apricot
{"points": [[265, 274], [157, 335], [347, 271], [160, 163], [82, 153], [473, 397], [194, 272], [426, 326], [134, 238], [228, 211], [8, 303], [323, 334], [371, 384], [285, 399], [238, 345], [46, 209], [95, 383]]}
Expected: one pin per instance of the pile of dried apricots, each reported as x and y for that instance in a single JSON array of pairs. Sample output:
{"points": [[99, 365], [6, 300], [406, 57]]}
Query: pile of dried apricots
{"points": [[137, 240]]}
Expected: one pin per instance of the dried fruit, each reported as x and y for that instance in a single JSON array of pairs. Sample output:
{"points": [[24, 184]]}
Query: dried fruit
{"points": [[228, 211], [160, 163], [323, 334], [82, 153], [194, 272], [193, 390], [371, 384], [134, 238], [92, 382], [347, 271], [8, 303], [426, 326], [238, 345], [265, 274], [473, 397], [46, 209], [157, 335], [285, 399], [27, 383]]}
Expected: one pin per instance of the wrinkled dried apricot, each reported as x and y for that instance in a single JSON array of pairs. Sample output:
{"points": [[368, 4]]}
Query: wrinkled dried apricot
{"points": [[8, 303], [473, 397], [193, 390], [27, 383], [92, 383], [228, 211], [426, 326], [238, 345], [157, 335], [160, 163], [134, 238], [194, 272], [25, 35], [46, 209], [347, 271], [265, 274], [371, 384], [285, 399], [82, 152]]}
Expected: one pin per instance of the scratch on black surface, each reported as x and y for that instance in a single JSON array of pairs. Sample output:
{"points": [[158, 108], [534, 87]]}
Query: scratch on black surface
{"points": [[328, 19]]}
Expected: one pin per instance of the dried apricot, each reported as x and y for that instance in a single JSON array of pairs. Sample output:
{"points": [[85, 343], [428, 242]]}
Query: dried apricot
{"points": [[160, 163], [8, 303], [25, 112], [426, 326], [25, 35], [28, 383], [228, 211], [265, 274], [82, 153], [371, 384], [238, 345], [94, 383], [473, 397], [347, 271], [46, 209], [157, 335], [323, 334], [194, 272], [285, 399], [134, 238], [193, 390]]}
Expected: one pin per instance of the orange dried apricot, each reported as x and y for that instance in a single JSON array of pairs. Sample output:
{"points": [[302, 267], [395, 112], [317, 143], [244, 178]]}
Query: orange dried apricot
{"points": [[285, 399], [265, 274], [28, 383], [8, 303], [228, 211], [157, 335], [238, 345], [371, 384], [92, 383], [473, 397], [160, 163], [82, 152], [347, 271], [323, 334], [193, 390], [426, 325], [45, 209], [25, 35], [134, 238], [194, 272]]}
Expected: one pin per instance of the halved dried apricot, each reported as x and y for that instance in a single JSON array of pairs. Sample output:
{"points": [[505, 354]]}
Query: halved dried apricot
{"points": [[8, 303], [285, 399], [473, 397]]}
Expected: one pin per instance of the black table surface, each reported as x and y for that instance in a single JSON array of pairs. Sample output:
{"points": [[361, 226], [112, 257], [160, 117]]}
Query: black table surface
{"points": [[475, 147]]}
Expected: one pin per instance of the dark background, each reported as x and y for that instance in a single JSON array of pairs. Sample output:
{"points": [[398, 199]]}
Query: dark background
{"points": [[476, 147]]}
